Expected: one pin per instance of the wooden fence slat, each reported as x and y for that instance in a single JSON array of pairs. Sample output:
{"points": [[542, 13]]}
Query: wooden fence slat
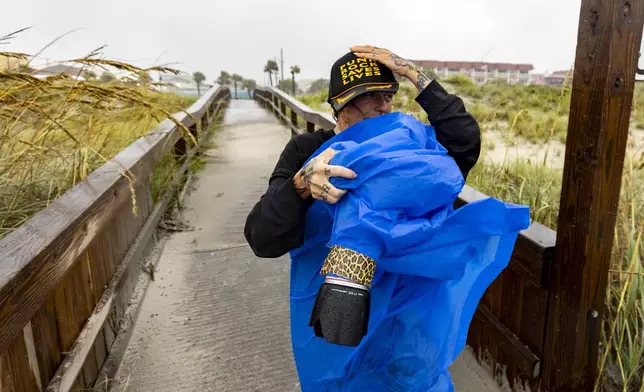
{"points": [[86, 300], [96, 259], [45, 330], [100, 351], [31, 354], [16, 374], [509, 314], [68, 311], [531, 330]]}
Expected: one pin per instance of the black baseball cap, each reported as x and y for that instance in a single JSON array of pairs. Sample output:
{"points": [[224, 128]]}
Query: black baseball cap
{"points": [[352, 76]]}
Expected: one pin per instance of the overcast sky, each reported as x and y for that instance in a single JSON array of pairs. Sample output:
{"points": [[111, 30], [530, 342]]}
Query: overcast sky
{"points": [[240, 35]]}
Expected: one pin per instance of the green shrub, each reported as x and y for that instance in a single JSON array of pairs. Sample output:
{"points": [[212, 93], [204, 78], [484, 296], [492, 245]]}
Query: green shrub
{"points": [[459, 80]]}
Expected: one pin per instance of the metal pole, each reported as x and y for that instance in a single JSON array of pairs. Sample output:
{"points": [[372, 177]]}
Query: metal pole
{"points": [[282, 61], [276, 74]]}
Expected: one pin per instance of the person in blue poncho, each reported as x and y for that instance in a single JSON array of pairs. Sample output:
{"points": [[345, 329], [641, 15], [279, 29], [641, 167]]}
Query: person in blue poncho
{"points": [[385, 274], [275, 225]]}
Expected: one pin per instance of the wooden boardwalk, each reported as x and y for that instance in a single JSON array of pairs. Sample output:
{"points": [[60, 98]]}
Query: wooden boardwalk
{"points": [[216, 317]]}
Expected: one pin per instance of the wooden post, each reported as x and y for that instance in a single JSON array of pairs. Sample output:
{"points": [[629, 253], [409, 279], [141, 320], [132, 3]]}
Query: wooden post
{"points": [[310, 127], [294, 118], [610, 33]]}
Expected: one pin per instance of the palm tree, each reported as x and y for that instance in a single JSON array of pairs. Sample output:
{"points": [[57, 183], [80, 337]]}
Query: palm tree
{"points": [[198, 78], [237, 78], [106, 77], [270, 67], [90, 75], [223, 79], [268, 71], [249, 85], [294, 70]]}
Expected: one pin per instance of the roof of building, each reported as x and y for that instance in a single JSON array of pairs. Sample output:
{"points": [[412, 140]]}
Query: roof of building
{"points": [[473, 65], [558, 74], [59, 69]]}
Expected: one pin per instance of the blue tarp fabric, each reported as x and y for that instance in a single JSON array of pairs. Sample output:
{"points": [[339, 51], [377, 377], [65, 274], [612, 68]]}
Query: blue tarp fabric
{"points": [[433, 262]]}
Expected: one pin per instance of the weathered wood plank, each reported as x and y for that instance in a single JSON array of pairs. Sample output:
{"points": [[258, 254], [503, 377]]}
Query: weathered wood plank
{"points": [[85, 301], [16, 374], [609, 37], [97, 257], [533, 317], [69, 310], [513, 348], [31, 353], [294, 118], [100, 351], [45, 331]]}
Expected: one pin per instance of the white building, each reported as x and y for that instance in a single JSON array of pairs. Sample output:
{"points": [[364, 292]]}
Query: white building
{"points": [[73, 72], [480, 72]]}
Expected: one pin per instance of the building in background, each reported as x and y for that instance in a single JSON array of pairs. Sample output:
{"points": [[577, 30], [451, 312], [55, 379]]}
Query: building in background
{"points": [[558, 78], [537, 78], [74, 72], [480, 72], [11, 63], [183, 84]]}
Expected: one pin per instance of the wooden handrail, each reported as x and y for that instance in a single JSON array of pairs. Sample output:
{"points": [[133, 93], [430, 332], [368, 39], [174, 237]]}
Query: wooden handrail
{"points": [[319, 119], [38, 255]]}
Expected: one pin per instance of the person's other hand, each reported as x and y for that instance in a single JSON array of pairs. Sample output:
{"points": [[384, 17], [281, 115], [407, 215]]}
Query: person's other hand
{"points": [[392, 61], [313, 178]]}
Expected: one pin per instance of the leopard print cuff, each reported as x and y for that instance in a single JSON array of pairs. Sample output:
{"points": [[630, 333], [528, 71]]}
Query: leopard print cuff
{"points": [[349, 264]]}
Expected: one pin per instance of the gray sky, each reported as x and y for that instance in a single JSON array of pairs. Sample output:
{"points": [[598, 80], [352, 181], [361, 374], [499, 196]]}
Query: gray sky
{"points": [[240, 35]]}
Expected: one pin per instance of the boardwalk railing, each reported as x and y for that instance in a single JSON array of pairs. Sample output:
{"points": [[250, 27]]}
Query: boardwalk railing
{"points": [[508, 329], [66, 274]]}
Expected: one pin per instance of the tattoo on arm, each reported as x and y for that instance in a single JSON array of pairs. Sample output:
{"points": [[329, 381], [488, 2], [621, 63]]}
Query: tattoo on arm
{"points": [[423, 81], [401, 62]]}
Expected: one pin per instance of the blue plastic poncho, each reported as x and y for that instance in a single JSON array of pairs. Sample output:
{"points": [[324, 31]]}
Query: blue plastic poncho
{"points": [[433, 263]]}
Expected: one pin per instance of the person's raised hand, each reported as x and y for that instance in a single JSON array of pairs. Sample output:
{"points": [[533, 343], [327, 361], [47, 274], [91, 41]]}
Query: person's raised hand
{"points": [[313, 179], [392, 61], [395, 63]]}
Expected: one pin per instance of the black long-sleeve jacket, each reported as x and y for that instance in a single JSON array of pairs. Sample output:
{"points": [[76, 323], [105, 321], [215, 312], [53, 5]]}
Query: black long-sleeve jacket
{"points": [[275, 225]]}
